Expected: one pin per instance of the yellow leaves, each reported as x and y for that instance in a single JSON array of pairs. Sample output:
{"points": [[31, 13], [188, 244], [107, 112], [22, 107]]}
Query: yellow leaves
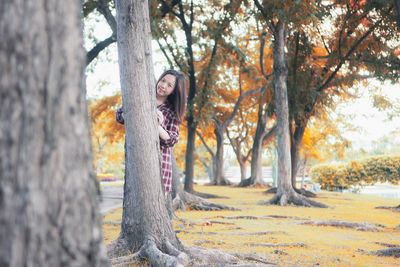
{"points": [[324, 246]]}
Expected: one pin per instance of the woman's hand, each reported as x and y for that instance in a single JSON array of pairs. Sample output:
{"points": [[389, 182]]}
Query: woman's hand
{"points": [[160, 117]]}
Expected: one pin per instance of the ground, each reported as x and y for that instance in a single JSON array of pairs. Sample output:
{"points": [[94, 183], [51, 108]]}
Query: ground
{"points": [[288, 236]]}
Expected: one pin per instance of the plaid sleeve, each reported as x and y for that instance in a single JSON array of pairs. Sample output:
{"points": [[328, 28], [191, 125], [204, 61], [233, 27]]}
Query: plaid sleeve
{"points": [[172, 128], [118, 116]]}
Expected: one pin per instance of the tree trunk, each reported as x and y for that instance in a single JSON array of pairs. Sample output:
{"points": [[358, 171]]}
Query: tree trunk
{"points": [[219, 158], [189, 156], [243, 170], [49, 194], [256, 160], [146, 228], [294, 151], [145, 221], [282, 112], [285, 191]]}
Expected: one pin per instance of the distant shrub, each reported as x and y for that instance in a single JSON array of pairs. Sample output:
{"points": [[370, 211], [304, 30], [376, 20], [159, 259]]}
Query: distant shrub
{"points": [[357, 173], [106, 177]]}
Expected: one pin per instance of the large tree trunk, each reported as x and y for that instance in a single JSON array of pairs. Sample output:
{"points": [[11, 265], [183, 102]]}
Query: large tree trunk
{"points": [[243, 170], [146, 228], [145, 221], [189, 156], [294, 151], [49, 212], [256, 160], [219, 159], [285, 192]]}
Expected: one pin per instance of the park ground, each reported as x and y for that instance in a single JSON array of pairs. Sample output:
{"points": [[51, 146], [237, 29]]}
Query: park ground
{"points": [[287, 236]]}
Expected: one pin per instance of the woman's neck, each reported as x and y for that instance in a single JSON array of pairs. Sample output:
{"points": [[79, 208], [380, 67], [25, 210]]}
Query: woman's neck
{"points": [[160, 100]]}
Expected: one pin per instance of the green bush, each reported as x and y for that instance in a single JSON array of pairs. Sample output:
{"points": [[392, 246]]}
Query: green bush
{"points": [[357, 173]]}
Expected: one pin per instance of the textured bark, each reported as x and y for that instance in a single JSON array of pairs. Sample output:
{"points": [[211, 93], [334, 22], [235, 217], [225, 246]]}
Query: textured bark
{"points": [[219, 176], [48, 192], [146, 228], [285, 192], [294, 150], [189, 155], [145, 220]]}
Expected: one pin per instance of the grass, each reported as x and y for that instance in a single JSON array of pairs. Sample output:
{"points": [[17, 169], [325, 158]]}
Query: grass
{"points": [[285, 241]]}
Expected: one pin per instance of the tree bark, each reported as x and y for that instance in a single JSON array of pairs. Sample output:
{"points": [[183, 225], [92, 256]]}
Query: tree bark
{"points": [[189, 156], [48, 191], [145, 220], [295, 149], [146, 228], [285, 192], [219, 176]]}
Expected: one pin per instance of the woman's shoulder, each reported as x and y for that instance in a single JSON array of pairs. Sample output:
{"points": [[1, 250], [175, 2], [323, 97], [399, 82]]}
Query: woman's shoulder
{"points": [[167, 108]]}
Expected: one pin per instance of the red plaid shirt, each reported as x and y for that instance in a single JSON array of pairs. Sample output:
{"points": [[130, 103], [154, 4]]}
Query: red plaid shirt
{"points": [[171, 126]]}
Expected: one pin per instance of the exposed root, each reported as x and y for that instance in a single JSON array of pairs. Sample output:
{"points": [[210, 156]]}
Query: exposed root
{"points": [[265, 217], [185, 200], [388, 245], [213, 257], [395, 209], [197, 203], [251, 182], [258, 233], [247, 217], [206, 195], [387, 252], [302, 191], [302, 245], [305, 192], [169, 255], [224, 181], [345, 224], [208, 242], [219, 222], [284, 199], [254, 257]]}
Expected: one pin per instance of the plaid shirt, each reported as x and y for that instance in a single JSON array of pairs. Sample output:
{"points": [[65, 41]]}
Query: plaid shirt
{"points": [[171, 126]]}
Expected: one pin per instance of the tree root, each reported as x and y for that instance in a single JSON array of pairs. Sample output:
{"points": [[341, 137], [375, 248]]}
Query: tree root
{"points": [[254, 257], [292, 198], [301, 191], [387, 245], [250, 183], [387, 252], [345, 224], [186, 200], [168, 255], [395, 209], [265, 217], [302, 245]]}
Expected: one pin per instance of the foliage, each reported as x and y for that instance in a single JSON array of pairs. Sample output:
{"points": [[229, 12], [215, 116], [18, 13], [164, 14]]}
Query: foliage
{"points": [[367, 171], [107, 135]]}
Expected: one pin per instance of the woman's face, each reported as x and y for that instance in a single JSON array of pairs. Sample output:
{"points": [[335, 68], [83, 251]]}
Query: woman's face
{"points": [[166, 85]]}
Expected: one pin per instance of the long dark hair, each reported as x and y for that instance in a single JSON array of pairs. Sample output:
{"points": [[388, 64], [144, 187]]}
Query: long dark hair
{"points": [[178, 97]]}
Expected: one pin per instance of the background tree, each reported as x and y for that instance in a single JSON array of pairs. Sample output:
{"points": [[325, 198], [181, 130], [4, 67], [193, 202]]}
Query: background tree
{"points": [[49, 194], [322, 70], [278, 25]]}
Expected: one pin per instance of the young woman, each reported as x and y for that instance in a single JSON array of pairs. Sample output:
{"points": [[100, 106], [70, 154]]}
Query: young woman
{"points": [[171, 102]]}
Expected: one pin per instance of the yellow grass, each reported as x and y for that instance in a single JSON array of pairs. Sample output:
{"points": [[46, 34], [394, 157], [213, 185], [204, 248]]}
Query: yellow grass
{"points": [[324, 245]]}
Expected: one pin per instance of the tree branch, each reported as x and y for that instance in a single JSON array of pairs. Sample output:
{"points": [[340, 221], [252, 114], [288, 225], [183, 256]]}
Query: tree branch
{"points": [[94, 52]]}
